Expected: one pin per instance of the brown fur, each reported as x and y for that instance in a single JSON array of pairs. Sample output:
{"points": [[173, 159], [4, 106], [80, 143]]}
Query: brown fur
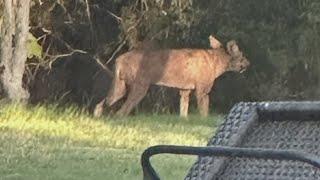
{"points": [[184, 69]]}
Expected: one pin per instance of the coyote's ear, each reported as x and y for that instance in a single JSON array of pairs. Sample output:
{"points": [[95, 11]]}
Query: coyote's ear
{"points": [[214, 43], [233, 48]]}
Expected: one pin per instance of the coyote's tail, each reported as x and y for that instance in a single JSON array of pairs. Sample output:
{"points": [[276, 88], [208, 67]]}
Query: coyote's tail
{"points": [[118, 89]]}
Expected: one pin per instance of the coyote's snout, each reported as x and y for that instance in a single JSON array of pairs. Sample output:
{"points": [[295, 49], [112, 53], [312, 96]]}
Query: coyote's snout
{"points": [[184, 69]]}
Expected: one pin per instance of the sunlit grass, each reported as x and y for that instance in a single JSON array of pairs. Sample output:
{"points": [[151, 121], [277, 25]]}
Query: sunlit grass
{"points": [[46, 142]]}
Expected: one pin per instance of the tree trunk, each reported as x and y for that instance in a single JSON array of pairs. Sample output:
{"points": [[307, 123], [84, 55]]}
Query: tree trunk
{"points": [[13, 51]]}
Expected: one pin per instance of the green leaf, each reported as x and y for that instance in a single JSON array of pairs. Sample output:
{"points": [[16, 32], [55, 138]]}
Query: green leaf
{"points": [[34, 48]]}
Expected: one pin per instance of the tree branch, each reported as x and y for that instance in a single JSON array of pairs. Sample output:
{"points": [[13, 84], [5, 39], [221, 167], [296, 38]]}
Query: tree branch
{"points": [[93, 36]]}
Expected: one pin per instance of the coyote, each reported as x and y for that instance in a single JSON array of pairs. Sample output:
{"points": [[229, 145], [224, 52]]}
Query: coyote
{"points": [[184, 69]]}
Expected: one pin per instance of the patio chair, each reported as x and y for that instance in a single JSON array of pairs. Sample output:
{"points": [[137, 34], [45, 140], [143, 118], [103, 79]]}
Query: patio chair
{"points": [[266, 140]]}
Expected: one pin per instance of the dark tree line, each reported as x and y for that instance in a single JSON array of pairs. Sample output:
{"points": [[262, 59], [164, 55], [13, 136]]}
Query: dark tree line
{"points": [[280, 38]]}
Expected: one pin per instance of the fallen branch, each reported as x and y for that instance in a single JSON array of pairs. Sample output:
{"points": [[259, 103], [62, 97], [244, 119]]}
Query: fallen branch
{"points": [[55, 57], [93, 36], [119, 19], [135, 24], [65, 43], [104, 67], [116, 51], [47, 50]]}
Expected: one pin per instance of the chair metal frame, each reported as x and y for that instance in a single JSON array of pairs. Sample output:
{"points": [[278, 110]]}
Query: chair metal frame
{"points": [[241, 117]]}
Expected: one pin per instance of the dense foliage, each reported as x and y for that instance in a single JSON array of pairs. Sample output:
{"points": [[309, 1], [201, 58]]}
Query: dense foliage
{"points": [[281, 39]]}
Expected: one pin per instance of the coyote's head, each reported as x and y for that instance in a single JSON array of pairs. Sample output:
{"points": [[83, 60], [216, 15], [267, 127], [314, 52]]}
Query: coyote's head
{"points": [[238, 62]]}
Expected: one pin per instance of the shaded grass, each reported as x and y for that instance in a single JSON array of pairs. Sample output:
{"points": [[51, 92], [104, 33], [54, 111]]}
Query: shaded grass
{"points": [[46, 142]]}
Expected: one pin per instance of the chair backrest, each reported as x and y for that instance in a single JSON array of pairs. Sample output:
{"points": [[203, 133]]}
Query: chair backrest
{"points": [[271, 125]]}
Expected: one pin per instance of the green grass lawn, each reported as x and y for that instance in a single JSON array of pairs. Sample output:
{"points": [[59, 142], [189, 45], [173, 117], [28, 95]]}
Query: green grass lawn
{"points": [[38, 143]]}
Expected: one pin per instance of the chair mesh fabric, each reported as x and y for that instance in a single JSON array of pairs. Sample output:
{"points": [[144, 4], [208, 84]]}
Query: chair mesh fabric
{"points": [[272, 130]]}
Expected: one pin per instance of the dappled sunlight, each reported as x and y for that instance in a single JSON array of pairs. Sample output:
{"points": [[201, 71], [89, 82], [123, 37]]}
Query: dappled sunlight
{"points": [[79, 127], [46, 142]]}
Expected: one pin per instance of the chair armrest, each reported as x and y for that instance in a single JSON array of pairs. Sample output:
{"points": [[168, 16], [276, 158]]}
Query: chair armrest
{"points": [[150, 174]]}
